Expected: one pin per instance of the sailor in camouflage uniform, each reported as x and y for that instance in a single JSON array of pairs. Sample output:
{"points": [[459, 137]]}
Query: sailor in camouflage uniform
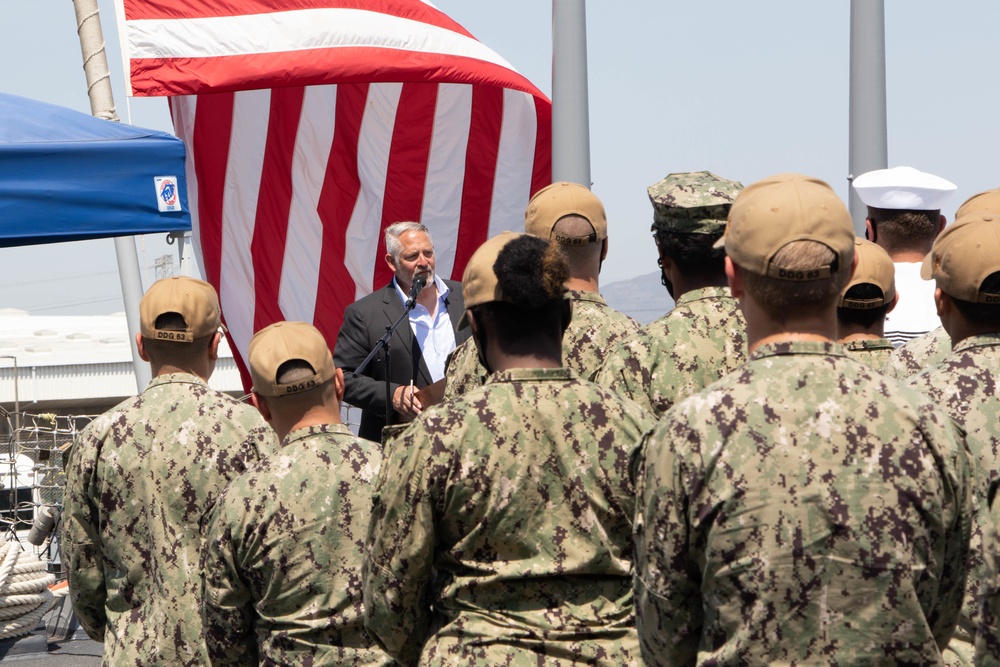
{"points": [[965, 262], [140, 477], [574, 217], [284, 545], [803, 509], [502, 519], [703, 337], [932, 348], [864, 303]]}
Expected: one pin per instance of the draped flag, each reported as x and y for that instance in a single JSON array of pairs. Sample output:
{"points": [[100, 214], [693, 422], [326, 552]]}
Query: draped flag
{"points": [[311, 125]]}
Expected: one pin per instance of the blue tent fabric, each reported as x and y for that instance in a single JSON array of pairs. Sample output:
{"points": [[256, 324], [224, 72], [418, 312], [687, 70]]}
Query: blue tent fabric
{"points": [[67, 176]]}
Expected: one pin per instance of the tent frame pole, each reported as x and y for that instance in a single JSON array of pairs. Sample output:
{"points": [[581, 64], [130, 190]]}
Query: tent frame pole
{"points": [[95, 66]]}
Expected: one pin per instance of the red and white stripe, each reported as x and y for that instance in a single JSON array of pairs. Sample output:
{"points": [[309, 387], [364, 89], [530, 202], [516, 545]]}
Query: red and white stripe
{"points": [[178, 48], [291, 185]]}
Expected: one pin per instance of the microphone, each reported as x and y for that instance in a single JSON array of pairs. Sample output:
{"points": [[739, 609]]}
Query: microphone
{"points": [[419, 282]]}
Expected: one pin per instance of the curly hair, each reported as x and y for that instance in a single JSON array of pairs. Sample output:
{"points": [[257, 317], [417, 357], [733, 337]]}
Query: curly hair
{"points": [[532, 275]]}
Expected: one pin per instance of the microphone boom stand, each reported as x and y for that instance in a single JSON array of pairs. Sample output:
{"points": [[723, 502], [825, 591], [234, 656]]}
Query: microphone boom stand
{"points": [[383, 342]]}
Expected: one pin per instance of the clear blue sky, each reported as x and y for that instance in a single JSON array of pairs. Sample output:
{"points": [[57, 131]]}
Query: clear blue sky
{"points": [[741, 89]]}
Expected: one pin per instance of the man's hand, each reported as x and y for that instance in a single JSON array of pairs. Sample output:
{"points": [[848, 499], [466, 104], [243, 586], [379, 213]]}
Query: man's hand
{"points": [[405, 402]]}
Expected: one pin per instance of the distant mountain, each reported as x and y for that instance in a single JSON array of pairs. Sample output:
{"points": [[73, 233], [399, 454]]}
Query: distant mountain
{"points": [[643, 297]]}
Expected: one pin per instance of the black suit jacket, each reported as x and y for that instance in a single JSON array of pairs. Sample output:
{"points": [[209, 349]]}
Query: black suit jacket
{"points": [[365, 322]]}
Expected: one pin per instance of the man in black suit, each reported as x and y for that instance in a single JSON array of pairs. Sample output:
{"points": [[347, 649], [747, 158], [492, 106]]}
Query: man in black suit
{"points": [[418, 348]]}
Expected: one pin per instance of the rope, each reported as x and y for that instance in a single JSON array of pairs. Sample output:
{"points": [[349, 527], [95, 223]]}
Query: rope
{"points": [[24, 591]]}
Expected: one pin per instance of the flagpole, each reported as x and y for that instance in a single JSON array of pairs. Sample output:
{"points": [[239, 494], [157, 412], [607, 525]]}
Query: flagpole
{"points": [[868, 134], [570, 107], [102, 105]]}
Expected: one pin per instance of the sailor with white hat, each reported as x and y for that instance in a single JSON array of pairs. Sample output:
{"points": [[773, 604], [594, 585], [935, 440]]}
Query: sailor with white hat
{"points": [[904, 217]]}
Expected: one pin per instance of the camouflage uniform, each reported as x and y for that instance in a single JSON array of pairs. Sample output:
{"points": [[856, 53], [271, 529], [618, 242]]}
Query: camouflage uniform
{"points": [[871, 352], [966, 385], [595, 330], [802, 510], [702, 339], [988, 630], [501, 529], [283, 556], [919, 354], [138, 481]]}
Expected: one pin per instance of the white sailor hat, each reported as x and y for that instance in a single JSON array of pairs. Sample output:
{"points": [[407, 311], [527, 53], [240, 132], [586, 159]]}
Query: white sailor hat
{"points": [[903, 188]]}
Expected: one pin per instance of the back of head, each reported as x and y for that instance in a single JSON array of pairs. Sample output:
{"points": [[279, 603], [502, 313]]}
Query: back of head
{"points": [[290, 364], [690, 210], [177, 318], [517, 282], [793, 239], [965, 262], [869, 294], [904, 206], [572, 216]]}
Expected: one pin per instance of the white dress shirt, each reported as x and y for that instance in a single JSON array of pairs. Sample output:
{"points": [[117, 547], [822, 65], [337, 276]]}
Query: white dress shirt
{"points": [[435, 335]]}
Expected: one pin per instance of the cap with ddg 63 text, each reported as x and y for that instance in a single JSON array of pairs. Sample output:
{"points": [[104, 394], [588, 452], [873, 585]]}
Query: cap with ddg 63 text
{"points": [[281, 342], [775, 211], [875, 267], [692, 202], [559, 200], [964, 255], [194, 300]]}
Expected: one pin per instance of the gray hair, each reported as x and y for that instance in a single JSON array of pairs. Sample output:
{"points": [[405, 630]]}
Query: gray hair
{"points": [[397, 229]]}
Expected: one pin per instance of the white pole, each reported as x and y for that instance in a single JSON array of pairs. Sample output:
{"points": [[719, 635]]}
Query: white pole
{"points": [[95, 66], [868, 134], [570, 106]]}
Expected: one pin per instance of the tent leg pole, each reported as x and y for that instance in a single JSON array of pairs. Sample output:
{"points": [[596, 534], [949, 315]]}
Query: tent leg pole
{"points": [[131, 279]]}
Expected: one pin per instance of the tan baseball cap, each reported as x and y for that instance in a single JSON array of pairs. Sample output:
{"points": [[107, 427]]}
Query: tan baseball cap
{"points": [[964, 255], [554, 202], [984, 201], [479, 282], [194, 300], [775, 211], [272, 346], [875, 267]]}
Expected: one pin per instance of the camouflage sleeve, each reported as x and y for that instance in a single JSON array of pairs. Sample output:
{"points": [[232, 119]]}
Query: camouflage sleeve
{"points": [[227, 605], [624, 373], [988, 632], [463, 371], [81, 536], [949, 437], [667, 585], [259, 440], [401, 541]]}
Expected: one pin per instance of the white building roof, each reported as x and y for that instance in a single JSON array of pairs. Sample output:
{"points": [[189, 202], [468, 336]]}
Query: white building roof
{"points": [[77, 359]]}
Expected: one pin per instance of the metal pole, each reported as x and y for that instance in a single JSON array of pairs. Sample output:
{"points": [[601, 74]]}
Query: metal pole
{"points": [[17, 402], [95, 66], [868, 134], [185, 261], [570, 107]]}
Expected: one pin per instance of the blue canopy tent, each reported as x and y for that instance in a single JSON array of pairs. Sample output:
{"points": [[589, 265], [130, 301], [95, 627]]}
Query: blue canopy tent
{"points": [[68, 176]]}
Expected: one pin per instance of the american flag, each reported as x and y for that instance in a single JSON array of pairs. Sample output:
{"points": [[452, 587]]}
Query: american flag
{"points": [[311, 125]]}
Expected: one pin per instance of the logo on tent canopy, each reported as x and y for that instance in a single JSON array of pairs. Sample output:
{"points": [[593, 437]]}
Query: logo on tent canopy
{"points": [[167, 196]]}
